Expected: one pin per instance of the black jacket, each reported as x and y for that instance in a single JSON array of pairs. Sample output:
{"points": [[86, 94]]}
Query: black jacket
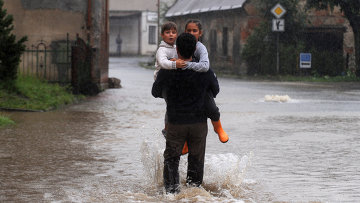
{"points": [[185, 92]]}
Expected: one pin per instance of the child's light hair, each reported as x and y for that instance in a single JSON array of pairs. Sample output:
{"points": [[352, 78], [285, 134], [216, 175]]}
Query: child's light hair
{"points": [[168, 26]]}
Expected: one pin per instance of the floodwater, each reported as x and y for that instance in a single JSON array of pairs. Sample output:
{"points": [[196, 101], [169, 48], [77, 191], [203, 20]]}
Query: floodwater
{"points": [[109, 147]]}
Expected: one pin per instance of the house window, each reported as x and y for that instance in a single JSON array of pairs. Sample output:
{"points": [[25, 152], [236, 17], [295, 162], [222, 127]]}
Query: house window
{"points": [[225, 41], [152, 34], [213, 42]]}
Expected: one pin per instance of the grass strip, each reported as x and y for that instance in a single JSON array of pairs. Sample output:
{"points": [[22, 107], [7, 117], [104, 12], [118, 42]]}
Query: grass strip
{"points": [[36, 94], [4, 121]]}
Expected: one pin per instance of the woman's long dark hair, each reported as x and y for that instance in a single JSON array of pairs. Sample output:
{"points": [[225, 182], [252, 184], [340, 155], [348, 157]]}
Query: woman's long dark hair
{"points": [[198, 24]]}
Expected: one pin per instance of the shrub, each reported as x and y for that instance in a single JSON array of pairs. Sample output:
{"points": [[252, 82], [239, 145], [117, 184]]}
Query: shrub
{"points": [[327, 63]]}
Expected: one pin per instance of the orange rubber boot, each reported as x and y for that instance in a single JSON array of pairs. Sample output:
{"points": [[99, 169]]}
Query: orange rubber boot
{"points": [[185, 149], [223, 136]]}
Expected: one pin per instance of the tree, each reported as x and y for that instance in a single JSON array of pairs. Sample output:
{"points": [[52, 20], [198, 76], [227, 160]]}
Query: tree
{"points": [[10, 49], [351, 10]]}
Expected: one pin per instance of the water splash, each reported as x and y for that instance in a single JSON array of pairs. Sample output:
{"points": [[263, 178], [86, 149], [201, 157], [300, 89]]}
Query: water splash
{"points": [[153, 161], [223, 176], [225, 171], [277, 98]]}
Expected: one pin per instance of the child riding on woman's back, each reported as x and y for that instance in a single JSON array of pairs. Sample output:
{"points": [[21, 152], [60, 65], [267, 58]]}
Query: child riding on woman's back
{"points": [[166, 58], [202, 64], [166, 55]]}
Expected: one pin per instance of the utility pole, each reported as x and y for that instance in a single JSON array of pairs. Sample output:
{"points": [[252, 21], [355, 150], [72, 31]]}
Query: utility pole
{"points": [[158, 21]]}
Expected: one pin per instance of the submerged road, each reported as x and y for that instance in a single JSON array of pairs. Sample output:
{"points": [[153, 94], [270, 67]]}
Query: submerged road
{"points": [[109, 147]]}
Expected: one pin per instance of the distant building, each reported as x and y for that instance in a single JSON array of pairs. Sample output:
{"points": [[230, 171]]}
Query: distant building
{"points": [[330, 30], [228, 23], [55, 24], [134, 26], [135, 23]]}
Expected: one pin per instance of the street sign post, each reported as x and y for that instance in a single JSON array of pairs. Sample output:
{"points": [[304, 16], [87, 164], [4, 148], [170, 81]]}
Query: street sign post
{"points": [[278, 25], [305, 60]]}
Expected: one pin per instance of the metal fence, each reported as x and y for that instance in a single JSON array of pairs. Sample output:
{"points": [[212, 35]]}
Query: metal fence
{"points": [[51, 62]]}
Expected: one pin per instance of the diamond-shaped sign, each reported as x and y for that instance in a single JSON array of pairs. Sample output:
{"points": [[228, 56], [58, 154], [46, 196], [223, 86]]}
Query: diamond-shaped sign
{"points": [[278, 11]]}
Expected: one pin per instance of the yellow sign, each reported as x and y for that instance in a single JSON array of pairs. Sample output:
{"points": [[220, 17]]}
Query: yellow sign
{"points": [[278, 11]]}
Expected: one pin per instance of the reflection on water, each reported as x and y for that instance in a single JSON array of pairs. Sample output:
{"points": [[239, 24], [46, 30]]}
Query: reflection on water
{"points": [[109, 147], [45, 151]]}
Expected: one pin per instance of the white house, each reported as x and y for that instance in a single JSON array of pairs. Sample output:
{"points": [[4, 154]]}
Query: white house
{"points": [[134, 26]]}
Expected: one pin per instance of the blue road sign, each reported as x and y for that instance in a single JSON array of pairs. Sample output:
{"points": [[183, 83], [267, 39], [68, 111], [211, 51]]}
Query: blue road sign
{"points": [[305, 60]]}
